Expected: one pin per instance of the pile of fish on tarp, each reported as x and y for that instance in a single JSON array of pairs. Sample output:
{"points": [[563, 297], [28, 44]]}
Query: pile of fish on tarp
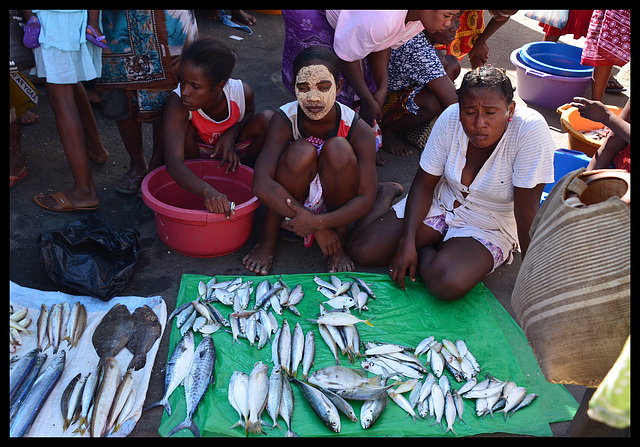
{"points": [[396, 369], [100, 401]]}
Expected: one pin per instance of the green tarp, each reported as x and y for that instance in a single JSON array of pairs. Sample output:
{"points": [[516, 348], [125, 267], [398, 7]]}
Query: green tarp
{"points": [[404, 317]]}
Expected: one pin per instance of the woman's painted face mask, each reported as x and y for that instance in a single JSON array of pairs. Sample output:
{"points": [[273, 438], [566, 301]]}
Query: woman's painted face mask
{"points": [[315, 90]]}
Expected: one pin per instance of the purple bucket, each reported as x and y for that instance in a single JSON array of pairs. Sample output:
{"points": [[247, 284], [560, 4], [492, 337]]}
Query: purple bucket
{"points": [[545, 89]]}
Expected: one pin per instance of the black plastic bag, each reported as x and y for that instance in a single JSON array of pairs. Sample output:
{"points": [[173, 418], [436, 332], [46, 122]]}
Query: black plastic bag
{"points": [[89, 257]]}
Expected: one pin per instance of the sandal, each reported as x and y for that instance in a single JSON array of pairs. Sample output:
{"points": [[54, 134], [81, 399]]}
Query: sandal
{"points": [[97, 41], [15, 180], [133, 184], [63, 203], [31, 33], [613, 86]]}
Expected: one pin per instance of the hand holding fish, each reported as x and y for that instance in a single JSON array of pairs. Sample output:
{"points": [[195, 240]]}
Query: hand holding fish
{"points": [[216, 202]]}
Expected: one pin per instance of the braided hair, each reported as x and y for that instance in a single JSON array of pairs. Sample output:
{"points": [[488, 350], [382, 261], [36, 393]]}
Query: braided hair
{"points": [[216, 58], [487, 76]]}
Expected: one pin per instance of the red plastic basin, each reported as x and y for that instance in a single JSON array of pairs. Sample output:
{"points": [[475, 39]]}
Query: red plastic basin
{"points": [[183, 223]]}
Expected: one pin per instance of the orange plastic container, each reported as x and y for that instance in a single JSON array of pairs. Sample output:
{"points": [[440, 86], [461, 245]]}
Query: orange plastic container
{"points": [[183, 223], [573, 123]]}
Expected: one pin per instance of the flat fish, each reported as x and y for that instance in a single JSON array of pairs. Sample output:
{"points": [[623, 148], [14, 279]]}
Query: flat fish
{"points": [[113, 332], [146, 330]]}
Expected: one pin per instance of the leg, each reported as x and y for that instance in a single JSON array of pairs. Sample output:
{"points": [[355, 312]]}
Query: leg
{"points": [[95, 149], [131, 134], [458, 265], [297, 166], [72, 135], [375, 244], [338, 170], [601, 76], [157, 156]]}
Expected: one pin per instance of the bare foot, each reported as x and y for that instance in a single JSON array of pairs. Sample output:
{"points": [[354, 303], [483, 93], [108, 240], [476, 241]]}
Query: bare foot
{"points": [[380, 161], [395, 145], [243, 17], [340, 262], [260, 258]]}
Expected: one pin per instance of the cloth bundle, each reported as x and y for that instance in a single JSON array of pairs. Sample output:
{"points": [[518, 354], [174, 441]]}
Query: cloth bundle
{"points": [[572, 294]]}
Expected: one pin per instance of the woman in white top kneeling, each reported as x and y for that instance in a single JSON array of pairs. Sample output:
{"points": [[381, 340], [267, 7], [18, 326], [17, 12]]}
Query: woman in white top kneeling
{"points": [[471, 203]]}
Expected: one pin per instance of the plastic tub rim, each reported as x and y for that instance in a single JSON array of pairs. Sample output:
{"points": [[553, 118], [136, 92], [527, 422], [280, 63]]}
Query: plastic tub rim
{"points": [[516, 60], [531, 62], [192, 215]]}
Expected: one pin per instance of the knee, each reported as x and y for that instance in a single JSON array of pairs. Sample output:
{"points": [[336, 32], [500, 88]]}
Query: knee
{"points": [[337, 154], [444, 284]]}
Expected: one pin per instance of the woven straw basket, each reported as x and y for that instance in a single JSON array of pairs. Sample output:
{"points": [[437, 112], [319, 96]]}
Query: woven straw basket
{"points": [[572, 293]]}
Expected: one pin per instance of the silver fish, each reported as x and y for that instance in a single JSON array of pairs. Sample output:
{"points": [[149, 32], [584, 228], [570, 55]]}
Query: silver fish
{"points": [[284, 347], [402, 402], [331, 343], [308, 358], [53, 326], [66, 409], [297, 348], [25, 386], [274, 397], [104, 397], [483, 393], [437, 363], [365, 286], [321, 404], [450, 412], [296, 295], [42, 326], [176, 369], [513, 399], [524, 402], [258, 391], [20, 371], [126, 410], [38, 395], [125, 387], [88, 394], [371, 409], [198, 378], [437, 400], [341, 404], [459, 403], [286, 408], [238, 396]]}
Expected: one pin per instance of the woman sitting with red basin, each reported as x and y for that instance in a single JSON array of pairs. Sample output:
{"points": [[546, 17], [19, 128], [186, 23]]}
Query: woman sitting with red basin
{"points": [[211, 115]]}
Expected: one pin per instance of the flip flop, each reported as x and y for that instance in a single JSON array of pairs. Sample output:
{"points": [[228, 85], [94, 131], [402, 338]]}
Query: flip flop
{"points": [[31, 33], [61, 199], [616, 87], [97, 41], [135, 182], [15, 180]]}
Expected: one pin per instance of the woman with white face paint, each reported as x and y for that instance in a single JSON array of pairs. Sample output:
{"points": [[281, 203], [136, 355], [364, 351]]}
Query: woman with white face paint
{"points": [[316, 171]]}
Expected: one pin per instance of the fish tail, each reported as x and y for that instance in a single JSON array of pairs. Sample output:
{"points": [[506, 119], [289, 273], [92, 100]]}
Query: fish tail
{"points": [[164, 402], [254, 427], [187, 423]]}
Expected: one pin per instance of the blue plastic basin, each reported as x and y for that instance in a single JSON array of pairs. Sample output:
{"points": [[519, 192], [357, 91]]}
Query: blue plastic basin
{"points": [[555, 58]]}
